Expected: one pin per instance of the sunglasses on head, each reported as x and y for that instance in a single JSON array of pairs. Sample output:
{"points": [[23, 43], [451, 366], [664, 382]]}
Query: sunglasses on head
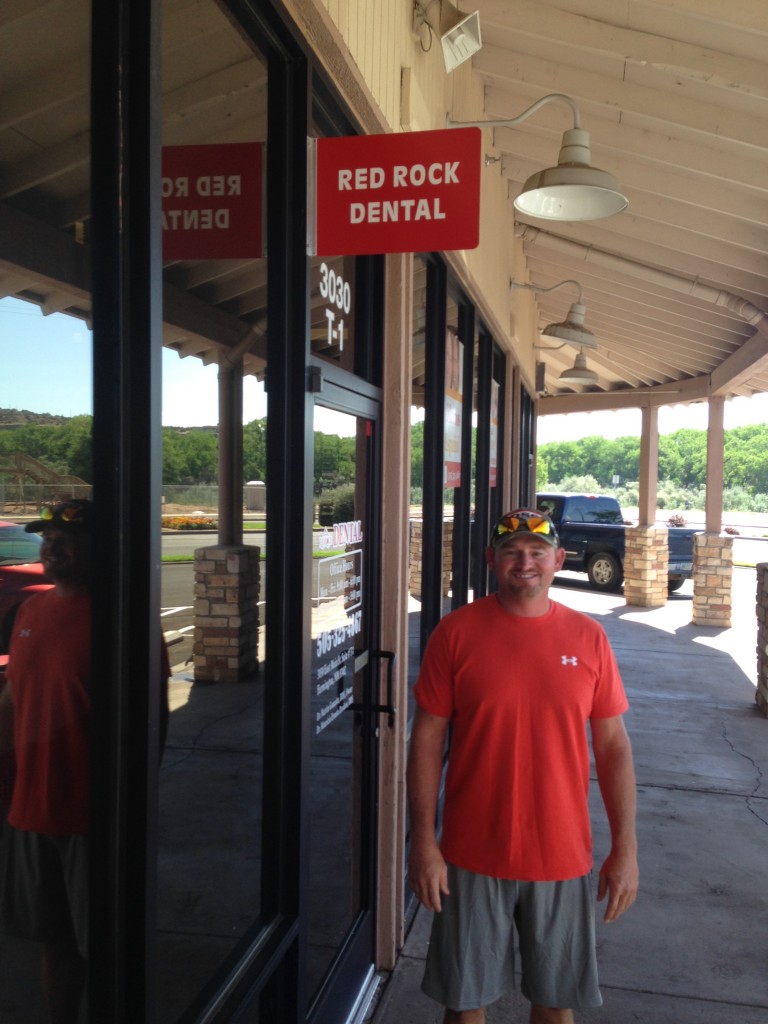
{"points": [[64, 512], [525, 522]]}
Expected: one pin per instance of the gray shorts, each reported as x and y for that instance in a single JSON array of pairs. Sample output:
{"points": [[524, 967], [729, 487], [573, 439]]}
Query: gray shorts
{"points": [[44, 886], [471, 957]]}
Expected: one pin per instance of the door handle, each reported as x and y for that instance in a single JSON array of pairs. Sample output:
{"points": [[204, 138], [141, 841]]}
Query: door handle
{"points": [[389, 708]]}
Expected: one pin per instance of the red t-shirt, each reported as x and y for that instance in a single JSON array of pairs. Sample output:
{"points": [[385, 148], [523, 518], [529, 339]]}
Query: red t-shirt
{"points": [[519, 692], [49, 671]]}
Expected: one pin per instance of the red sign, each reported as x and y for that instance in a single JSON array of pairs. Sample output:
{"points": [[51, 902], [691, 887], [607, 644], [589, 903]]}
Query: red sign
{"points": [[212, 201], [411, 192]]}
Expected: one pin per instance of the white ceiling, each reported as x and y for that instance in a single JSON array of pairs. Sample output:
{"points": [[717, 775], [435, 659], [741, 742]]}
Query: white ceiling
{"points": [[673, 92]]}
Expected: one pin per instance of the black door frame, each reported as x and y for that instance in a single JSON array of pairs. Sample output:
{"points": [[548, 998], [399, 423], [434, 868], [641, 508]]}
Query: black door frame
{"points": [[341, 391]]}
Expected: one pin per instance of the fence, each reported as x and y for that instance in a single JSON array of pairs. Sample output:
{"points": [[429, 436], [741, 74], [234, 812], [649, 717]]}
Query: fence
{"points": [[26, 499], [192, 496]]}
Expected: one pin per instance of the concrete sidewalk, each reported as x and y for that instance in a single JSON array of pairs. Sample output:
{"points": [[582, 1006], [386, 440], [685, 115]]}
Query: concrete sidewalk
{"points": [[695, 945]]}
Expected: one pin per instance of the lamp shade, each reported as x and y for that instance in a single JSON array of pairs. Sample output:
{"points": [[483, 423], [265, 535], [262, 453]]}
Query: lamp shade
{"points": [[574, 190], [572, 329], [579, 373]]}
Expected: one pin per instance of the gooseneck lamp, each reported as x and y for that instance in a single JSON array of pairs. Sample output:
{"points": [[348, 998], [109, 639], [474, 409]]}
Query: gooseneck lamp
{"points": [[574, 190], [572, 329]]}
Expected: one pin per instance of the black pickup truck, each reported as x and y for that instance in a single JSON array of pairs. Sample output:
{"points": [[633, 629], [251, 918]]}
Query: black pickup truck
{"points": [[592, 529]]}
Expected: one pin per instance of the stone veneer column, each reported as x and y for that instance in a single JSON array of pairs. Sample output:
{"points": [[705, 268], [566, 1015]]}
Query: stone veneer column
{"points": [[415, 557], [646, 561], [226, 613], [447, 557], [417, 554], [762, 637], [712, 579]]}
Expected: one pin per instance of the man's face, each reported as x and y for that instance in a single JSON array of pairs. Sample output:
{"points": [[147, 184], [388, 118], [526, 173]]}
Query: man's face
{"points": [[524, 566], [65, 556]]}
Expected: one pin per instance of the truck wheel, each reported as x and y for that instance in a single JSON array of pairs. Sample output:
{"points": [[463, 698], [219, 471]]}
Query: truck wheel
{"points": [[604, 571]]}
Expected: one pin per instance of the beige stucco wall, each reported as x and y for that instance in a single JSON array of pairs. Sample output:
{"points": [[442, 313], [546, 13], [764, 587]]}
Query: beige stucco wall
{"points": [[392, 84]]}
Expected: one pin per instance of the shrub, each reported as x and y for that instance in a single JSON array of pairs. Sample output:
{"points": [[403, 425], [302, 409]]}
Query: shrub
{"points": [[628, 495], [736, 499], [337, 506], [581, 485], [189, 523], [677, 519]]}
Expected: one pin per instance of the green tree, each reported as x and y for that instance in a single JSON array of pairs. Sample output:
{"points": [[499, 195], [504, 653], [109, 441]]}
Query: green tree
{"points": [[626, 458], [746, 458], [190, 456], [255, 450], [334, 459], [417, 454], [692, 452], [78, 449], [564, 458], [173, 457]]}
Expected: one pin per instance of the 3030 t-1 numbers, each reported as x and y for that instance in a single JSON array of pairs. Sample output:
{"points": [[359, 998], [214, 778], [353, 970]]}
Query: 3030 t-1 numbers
{"points": [[335, 289]]}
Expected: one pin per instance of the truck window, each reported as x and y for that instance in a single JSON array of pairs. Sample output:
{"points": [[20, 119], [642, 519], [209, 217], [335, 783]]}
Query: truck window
{"points": [[552, 507], [593, 510]]}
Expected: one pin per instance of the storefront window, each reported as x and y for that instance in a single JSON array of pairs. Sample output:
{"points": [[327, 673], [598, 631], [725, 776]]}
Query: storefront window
{"points": [[453, 416], [46, 463], [418, 416], [340, 661], [210, 838]]}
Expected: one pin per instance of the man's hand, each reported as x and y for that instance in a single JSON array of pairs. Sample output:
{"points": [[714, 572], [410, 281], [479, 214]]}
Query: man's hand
{"points": [[428, 875], [427, 871], [619, 875], [619, 880]]}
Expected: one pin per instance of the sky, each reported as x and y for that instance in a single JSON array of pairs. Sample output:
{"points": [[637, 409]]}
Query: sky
{"points": [[46, 367]]}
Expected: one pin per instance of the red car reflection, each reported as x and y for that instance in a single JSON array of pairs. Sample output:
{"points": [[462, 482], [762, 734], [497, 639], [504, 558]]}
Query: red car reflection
{"points": [[21, 574]]}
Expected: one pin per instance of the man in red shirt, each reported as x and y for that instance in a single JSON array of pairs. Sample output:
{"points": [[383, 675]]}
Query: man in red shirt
{"points": [[517, 678], [44, 711]]}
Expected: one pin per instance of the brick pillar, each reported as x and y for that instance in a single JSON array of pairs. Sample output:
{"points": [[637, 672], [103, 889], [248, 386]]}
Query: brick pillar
{"points": [[762, 637], [447, 557], [417, 554], [415, 557], [712, 579], [646, 562], [226, 613]]}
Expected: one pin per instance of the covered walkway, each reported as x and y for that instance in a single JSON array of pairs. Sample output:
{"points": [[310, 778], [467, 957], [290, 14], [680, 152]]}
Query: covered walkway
{"points": [[694, 947]]}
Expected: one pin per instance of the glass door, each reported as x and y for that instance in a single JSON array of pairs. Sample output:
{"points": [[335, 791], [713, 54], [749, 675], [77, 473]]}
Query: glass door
{"points": [[345, 709]]}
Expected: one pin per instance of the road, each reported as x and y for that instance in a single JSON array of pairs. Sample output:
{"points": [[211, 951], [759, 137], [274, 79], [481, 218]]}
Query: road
{"points": [[176, 597], [186, 543]]}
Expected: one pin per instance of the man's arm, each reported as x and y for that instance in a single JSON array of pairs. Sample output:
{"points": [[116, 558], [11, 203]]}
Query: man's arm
{"points": [[427, 874], [619, 875]]}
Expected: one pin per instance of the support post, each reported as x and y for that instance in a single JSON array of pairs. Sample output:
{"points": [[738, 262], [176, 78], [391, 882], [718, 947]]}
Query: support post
{"points": [[230, 454], [646, 552], [715, 448], [761, 696], [713, 550], [649, 466]]}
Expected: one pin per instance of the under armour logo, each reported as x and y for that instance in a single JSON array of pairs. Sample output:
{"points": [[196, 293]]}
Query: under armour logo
{"points": [[25, 632], [569, 661]]}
